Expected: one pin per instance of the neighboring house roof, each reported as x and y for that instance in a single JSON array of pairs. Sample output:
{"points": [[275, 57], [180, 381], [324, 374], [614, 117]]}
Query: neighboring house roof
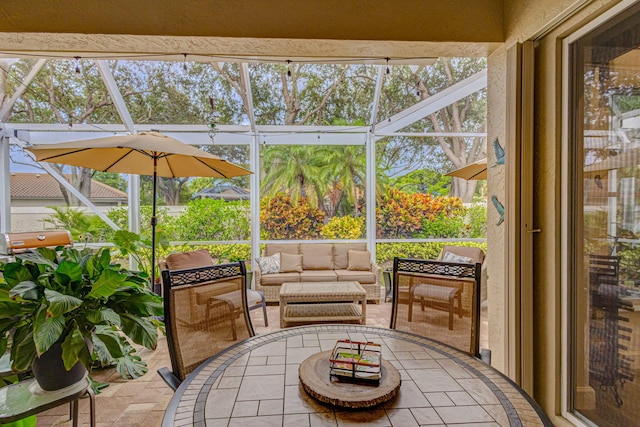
{"points": [[44, 186], [226, 192]]}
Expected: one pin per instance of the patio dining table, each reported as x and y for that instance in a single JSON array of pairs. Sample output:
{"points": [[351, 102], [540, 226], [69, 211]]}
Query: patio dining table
{"points": [[256, 383]]}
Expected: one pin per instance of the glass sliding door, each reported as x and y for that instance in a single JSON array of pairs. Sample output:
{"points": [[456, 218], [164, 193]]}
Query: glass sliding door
{"points": [[604, 232]]}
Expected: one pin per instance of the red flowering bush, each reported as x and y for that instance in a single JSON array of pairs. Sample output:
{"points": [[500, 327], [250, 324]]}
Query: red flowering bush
{"points": [[281, 218], [402, 215]]}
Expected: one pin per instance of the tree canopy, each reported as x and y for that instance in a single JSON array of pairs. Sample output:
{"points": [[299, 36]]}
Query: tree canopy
{"points": [[329, 177]]}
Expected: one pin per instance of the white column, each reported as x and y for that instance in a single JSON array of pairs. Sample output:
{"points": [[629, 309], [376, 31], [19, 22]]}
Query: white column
{"points": [[5, 187], [254, 162], [371, 194]]}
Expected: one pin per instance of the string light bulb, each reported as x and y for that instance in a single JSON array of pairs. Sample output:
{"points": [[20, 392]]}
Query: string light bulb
{"points": [[78, 71], [184, 63], [288, 68], [388, 70]]}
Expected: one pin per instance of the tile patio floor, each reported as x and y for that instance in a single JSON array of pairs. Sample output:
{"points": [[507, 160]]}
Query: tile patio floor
{"points": [[142, 402]]}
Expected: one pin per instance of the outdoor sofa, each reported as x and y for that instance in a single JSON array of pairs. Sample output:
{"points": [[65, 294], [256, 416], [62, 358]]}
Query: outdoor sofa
{"points": [[316, 262]]}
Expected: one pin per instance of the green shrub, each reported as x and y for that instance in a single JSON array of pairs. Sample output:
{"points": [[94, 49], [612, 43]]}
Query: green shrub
{"points": [[83, 226], [477, 219], [120, 216], [209, 219], [443, 226], [344, 227], [429, 250]]}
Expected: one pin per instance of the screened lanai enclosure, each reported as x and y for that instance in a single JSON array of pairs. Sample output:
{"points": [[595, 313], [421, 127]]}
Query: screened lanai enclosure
{"points": [[341, 149]]}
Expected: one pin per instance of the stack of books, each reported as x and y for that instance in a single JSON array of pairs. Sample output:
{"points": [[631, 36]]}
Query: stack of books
{"points": [[356, 361]]}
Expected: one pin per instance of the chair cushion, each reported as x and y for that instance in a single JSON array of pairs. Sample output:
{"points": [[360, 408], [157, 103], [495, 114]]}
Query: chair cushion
{"points": [[359, 261], [269, 264], [317, 256], [364, 277], [192, 259], [435, 292], [318, 276], [254, 297], [290, 263], [287, 248], [341, 251]]}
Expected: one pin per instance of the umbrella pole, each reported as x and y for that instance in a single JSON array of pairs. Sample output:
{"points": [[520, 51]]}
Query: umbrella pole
{"points": [[153, 224]]}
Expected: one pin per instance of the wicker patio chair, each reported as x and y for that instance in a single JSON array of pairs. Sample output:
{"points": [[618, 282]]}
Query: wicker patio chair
{"points": [[205, 312], [437, 287]]}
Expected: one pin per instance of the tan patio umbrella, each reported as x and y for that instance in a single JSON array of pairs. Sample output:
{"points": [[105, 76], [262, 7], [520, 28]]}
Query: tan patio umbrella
{"points": [[476, 170], [145, 153]]}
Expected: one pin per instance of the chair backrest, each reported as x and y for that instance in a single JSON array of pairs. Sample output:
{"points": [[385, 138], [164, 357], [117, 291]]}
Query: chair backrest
{"points": [[439, 300], [205, 312]]}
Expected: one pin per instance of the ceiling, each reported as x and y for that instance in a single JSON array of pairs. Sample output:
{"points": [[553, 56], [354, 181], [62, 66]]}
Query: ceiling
{"points": [[360, 29]]}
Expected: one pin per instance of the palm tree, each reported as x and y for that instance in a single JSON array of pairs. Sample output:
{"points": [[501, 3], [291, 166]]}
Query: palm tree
{"points": [[294, 169], [344, 178]]}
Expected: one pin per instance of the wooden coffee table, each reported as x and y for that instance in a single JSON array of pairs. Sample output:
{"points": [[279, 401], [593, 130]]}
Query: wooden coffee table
{"points": [[314, 302]]}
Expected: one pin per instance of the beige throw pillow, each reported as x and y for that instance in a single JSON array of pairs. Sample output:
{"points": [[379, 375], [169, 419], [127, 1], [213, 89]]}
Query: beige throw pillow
{"points": [[269, 264], [359, 261], [290, 263]]}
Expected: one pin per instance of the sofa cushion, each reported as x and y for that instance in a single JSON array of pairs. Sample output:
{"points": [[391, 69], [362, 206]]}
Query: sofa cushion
{"points": [[317, 256], [364, 277], [290, 263], [340, 253], [269, 264], [192, 259], [278, 279], [318, 276], [359, 261], [275, 248]]}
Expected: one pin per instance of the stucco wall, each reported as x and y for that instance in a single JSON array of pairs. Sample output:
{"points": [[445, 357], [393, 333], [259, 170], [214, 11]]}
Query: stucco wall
{"points": [[496, 233]]}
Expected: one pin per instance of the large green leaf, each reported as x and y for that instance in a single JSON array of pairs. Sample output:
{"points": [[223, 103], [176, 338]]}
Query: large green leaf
{"points": [[106, 284], [46, 329], [60, 303], [105, 315], [126, 241], [131, 365], [142, 304], [74, 349], [105, 258], [108, 341], [26, 290], [42, 256], [140, 330], [23, 350], [14, 273], [69, 272], [4, 292], [8, 310], [92, 267]]}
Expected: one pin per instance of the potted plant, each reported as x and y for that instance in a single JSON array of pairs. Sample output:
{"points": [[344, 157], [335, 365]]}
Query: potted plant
{"points": [[74, 308]]}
